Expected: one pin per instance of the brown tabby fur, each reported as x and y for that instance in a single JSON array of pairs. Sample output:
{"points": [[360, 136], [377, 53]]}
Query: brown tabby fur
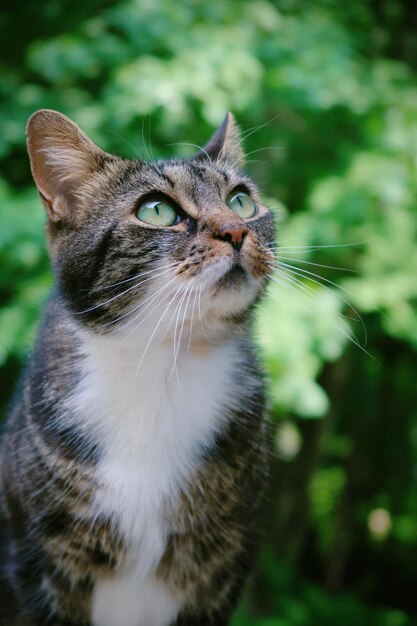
{"points": [[56, 546]]}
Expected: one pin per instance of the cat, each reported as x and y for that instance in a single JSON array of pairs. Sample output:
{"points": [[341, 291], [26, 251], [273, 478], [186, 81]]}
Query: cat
{"points": [[135, 453]]}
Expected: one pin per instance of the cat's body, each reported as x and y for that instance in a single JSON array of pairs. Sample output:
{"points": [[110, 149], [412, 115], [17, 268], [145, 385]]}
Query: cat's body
{"points": [[135, 455]]}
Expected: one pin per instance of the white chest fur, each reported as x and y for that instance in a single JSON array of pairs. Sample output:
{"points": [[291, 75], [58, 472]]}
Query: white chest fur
{"points": [[151, 426]]}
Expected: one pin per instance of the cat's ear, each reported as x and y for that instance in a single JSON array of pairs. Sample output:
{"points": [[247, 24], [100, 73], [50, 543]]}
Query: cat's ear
{"points": [[62, 160], [225, 145]]}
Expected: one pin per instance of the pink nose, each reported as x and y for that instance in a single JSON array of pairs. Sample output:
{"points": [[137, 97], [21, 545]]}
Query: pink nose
{"points": [[234, 233]]}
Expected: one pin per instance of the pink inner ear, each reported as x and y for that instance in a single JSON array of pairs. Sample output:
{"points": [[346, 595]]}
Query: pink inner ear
{"points": [[45, 199], [56, 208], [62, 158]]}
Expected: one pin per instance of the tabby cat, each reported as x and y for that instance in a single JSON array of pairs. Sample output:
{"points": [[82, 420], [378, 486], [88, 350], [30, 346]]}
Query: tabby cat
{"points": [[134, 456]]}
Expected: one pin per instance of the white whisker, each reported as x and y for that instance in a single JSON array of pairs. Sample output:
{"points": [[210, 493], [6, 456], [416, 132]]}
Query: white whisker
{"points": [[192, 320], [148, 155], [151, 271], [330, 267], [299, 285], [119, 295], [313, 248], [193, 145], [261, 150], [127, 142], [255, 129], [176, 347], [303, 273], [294, 287], [202, 287], [150, 301], [184, 317], [156, 328]]}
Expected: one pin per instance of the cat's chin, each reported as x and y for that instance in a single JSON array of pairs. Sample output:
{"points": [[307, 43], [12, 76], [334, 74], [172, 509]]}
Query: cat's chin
{"points": [[227, 273], [229, 288], [232, 294], [235, 278]]}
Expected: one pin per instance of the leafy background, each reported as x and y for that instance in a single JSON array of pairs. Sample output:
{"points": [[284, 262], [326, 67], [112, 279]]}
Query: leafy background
{"points": [[326, 96]]}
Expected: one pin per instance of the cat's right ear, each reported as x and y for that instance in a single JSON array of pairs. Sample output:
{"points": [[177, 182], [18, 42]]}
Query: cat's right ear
{"points": [[225, 145], [62, 160]]}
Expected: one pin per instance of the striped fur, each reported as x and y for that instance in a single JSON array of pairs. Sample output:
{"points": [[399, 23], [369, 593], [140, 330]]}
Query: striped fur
{"points": [[135, 453]]}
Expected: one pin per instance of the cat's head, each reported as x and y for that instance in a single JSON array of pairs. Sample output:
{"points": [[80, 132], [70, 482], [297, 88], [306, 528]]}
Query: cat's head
{"points": [[130, 239]]}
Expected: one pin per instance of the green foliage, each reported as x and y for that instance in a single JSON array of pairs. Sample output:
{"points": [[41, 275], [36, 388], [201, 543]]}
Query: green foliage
{"points": [[25, 279], [326, 96], [291, 602]]}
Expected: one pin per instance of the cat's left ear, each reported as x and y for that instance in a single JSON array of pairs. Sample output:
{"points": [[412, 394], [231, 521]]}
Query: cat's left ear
{"points": [[225, 145]]}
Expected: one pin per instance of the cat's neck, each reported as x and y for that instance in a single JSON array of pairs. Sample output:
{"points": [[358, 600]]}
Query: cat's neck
{"points": [[136, 353], [140, 382]]}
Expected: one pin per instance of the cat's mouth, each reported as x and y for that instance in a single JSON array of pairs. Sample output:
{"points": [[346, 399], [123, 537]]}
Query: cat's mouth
{"points": [[234, 277], [227, 285], [232, 290]]}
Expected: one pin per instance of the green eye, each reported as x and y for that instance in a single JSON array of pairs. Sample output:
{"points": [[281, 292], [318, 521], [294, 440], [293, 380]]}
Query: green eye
{"points": [[242, 204], [157, 213]]}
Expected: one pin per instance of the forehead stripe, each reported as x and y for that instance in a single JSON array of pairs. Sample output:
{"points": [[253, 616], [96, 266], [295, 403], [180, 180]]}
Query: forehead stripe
{"points": [[164, 176]]}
